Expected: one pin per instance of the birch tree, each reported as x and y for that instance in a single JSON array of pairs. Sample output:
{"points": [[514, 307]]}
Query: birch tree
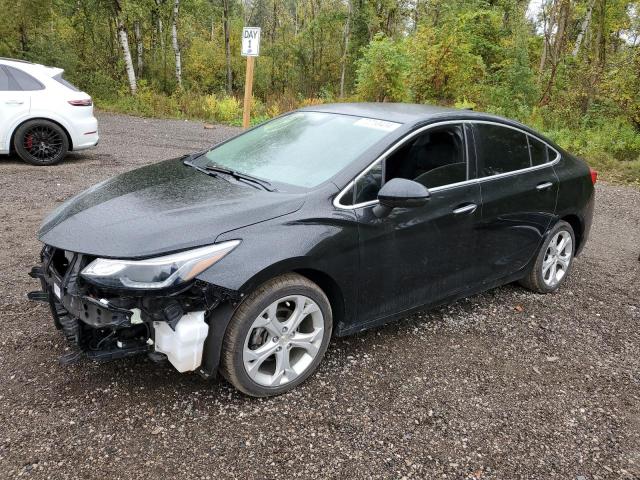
{"points": [[124, 44], [174, 41], [227, 45], [139, 46], [583, 29]]}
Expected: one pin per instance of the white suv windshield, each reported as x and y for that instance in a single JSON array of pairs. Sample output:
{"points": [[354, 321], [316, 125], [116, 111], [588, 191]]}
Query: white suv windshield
{"points": [[302, 149]]}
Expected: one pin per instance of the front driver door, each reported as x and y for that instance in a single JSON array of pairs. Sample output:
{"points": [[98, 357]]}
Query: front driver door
{"points": [[418, 256]]}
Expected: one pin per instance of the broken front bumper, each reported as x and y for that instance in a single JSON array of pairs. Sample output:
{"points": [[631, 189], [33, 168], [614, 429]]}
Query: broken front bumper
{"points": [[105, 325]]}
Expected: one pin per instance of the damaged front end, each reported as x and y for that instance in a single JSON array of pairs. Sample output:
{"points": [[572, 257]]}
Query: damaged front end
{"points": [[109, 309]]}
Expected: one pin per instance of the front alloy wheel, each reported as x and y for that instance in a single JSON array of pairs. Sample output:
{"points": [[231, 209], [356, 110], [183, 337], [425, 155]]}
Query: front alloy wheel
{"points": [[283, 341], [277, 336]]}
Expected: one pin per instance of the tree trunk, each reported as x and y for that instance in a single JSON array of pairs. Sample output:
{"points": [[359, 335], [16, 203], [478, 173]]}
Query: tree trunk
{"points": [[583, 29], [124, 44], [174, 41], [139, 46], [159, 25], [548, 20], [345, 52], [227, 45], [602, 35]]}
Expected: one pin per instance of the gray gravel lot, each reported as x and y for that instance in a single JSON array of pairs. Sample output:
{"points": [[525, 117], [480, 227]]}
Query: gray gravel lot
{"points": [[507, 384]]}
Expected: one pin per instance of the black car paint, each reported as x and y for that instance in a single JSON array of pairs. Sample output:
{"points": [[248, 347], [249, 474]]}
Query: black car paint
{"points": [[373, 269], [159, 208]]}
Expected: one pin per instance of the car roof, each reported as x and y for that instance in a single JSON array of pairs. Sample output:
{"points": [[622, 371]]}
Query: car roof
{"points": [[413, 113], [392, 112], [30, 67]]}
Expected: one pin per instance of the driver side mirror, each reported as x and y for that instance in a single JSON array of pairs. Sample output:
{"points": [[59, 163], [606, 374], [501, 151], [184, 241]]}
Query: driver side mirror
{"points": [[400, 193]]}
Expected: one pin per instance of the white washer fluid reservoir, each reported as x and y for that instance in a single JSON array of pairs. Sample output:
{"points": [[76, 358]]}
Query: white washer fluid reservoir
{"points": [[183, 346]]}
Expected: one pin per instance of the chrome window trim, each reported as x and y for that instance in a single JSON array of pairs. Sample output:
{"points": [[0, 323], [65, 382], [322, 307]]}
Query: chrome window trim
{"points": [[392, 148]]}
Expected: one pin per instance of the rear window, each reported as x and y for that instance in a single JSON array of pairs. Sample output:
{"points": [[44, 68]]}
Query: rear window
{"points": [[500, 149], [60, 79], [23, 80]]}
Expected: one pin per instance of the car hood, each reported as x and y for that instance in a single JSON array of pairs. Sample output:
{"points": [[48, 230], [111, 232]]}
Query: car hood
{"points": [[157, 209]]}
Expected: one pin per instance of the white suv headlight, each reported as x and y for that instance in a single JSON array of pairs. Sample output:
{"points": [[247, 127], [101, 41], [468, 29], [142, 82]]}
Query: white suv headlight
{"points": [[155, 273]]}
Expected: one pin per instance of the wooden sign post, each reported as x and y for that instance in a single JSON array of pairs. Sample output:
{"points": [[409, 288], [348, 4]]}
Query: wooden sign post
{"points": [[250, 49]]}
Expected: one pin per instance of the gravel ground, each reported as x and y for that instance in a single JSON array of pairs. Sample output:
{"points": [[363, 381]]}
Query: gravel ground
{"points": [[507, 384]]}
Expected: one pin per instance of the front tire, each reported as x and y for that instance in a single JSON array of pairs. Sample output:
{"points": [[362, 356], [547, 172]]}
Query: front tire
{"points": [[41, 142], [553, 261], [277, 337]]}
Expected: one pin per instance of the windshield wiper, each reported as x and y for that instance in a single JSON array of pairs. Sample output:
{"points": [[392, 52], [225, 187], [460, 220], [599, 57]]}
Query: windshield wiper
{"points": [[240, 176]]}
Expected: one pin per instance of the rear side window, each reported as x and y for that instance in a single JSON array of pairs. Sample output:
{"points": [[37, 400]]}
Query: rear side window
{"points": [[60, 79], [539, 152], [500, 149], [23, 80], [4, 80]]}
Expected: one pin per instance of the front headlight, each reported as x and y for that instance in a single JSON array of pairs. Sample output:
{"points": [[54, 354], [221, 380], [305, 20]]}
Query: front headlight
{"points": [[155, 273]]}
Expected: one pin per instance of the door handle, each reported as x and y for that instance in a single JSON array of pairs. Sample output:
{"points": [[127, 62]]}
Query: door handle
{"points": [[544, 186], [469, 208], [14, 102]]}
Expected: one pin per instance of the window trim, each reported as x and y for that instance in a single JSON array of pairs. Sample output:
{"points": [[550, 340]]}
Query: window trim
{"points": [[395, 146]]}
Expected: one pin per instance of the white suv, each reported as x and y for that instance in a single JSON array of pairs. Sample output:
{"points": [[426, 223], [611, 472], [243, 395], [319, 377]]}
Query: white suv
{"points": [[42, 116]]}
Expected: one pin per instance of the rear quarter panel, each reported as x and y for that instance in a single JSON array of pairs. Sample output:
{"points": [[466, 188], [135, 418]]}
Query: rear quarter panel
{"points": [[576, 195]]}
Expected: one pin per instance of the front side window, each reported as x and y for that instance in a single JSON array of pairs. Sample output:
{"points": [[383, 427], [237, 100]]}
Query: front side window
{"points": [[23, 80], [500, 149], [434, 158], [368, 185], [302, 149]]}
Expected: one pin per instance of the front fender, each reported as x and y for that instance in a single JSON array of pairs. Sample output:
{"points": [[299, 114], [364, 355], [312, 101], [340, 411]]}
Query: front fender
{"points": [[324, 244]]}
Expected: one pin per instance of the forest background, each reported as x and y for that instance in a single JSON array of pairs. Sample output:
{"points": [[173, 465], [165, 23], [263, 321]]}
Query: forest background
{"points": [[569, 68]]}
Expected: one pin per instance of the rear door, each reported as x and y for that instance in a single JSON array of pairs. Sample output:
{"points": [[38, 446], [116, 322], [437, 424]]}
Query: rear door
{"points": [[519, 190], [14, 105]]}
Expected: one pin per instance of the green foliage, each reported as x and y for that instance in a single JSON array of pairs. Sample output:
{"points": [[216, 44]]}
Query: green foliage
{"points": [[443, 67], [481, 54], [382, 71]]}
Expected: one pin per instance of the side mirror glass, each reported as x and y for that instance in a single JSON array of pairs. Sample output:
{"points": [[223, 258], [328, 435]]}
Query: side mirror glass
{"points": [[400, 193]]}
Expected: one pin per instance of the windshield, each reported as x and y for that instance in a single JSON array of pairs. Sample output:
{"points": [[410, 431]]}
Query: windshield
{"points": [[302, 149]]}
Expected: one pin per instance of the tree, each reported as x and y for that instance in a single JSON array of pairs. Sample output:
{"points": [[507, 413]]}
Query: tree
{"points": [[174, 42], [382, 71], [124, 44]]}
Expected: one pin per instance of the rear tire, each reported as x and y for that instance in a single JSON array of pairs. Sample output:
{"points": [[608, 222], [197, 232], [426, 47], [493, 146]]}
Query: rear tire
{"points": [[41, 142], [277, 337], [553, 261]]}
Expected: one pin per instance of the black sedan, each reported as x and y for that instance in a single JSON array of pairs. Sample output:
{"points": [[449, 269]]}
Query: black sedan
{"points": [[246, 258]]}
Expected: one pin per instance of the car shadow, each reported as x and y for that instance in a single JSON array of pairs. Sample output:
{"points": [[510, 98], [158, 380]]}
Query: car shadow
{"points": [[70, 158], [136, 375]]}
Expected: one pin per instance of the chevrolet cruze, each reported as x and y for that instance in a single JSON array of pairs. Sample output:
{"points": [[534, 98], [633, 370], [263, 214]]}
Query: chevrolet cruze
{"points": [[245, 259]]}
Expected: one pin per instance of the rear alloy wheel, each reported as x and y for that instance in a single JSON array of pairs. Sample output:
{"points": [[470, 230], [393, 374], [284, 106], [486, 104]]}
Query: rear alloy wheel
{"points": [[41, 142], [277, 337], [553, 261]]}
